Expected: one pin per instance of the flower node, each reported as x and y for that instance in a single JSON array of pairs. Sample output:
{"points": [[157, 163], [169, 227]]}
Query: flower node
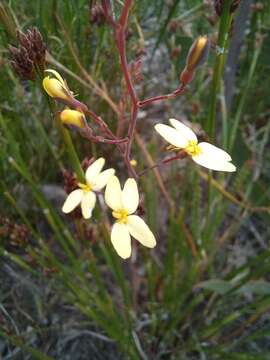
{"points": [[121, 216], [192, 148]]}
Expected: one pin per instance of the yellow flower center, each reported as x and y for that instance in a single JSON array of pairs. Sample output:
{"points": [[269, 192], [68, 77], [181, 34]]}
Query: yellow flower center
{"points": [[121, 216], [85, 187], [193, 148]]}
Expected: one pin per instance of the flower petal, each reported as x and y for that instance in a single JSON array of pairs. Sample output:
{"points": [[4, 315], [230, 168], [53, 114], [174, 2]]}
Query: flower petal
{"points": [[140, 231], [87, 204], [113, 194], [93, 170], [73, 200], [172, 135], [54, 88], [213, 163], [186, 132], [57, 75], [102, 179], [130, 196], [121, 240], [214, 151]]}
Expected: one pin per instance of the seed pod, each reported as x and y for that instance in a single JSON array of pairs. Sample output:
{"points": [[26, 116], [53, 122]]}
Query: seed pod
{"points": [[29, 54], [219, 4]]}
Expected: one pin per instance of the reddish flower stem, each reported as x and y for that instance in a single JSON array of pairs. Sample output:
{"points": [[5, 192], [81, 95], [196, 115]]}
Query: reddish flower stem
{"points": [[120, 39], [181, 155], [172, 95]]}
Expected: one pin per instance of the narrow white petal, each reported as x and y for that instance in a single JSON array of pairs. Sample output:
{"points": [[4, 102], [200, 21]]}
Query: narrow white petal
{"points": [[214, 152], [87, 204], [102, 179], [130, 196], [73, 200], [93, 170], [140, 231], [172, 135], [186, 132], [121, 240], [213, 163], [113, 194]]}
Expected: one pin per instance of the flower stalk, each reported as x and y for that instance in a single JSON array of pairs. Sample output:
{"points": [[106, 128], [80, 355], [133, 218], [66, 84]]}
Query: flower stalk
{"points": [[222, 44]]}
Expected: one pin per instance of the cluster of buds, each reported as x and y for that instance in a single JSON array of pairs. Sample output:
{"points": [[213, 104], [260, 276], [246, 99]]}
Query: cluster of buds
{"points": [[219, 5], [17, 235], [197, 55], [29, 55], [57, 88], [97, 15]]}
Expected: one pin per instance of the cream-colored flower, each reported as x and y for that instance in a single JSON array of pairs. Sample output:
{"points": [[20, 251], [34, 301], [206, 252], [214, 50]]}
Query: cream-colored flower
{"points": [[85, 195], [204, 154], [124, 203], [56, 86]]}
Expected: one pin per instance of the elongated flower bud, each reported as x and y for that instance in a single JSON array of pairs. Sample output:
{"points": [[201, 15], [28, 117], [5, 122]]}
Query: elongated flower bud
{"points": [[73, 118], [197, 53], [196, 56]]}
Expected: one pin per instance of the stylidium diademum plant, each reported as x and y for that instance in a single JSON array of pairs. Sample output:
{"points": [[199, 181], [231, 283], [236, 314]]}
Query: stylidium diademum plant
{"points": [[85, 195], [124, 203], [204, 154]]}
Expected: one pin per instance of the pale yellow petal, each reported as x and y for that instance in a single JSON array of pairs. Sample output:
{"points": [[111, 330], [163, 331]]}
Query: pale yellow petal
{"points": [[213, 163], [130, 196], [102, 179], [113, 194], [185, 131], [73, 200], [93, 170], [57, 75], [214, 152], [140, 231], [171, 135], [121, 240], [87, 204]]}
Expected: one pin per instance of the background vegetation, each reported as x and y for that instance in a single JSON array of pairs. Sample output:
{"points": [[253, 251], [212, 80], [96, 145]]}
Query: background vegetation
{"points": [[203, 293]]}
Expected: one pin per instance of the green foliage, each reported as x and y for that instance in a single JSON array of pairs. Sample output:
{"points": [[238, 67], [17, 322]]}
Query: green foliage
{"points": [[202, 293]]}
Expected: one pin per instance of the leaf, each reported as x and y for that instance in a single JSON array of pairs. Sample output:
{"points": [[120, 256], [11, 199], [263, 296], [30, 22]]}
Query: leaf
{"points": [[217, 285], [259, 287]]}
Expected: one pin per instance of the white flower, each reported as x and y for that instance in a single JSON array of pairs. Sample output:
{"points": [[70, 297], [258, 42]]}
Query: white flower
{"points": [[85, 195], [204, 154], [124, 203]]}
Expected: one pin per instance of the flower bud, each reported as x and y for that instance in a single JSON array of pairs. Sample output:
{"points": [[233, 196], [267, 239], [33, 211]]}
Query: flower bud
{"points": [[56, 87], [73, 118], [197, 53]]}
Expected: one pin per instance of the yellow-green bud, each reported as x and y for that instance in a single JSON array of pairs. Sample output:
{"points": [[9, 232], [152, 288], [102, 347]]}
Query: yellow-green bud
{"points": [[73, 118]]}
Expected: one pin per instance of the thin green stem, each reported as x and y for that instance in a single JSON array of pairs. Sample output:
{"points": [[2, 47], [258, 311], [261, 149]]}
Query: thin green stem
{"points": [[224, 27]]}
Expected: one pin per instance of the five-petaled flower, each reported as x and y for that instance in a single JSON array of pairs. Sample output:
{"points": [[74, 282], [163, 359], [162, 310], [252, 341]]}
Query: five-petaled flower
{"points": [[56, 86], [124, 203], [204, 154], [85, 195]]}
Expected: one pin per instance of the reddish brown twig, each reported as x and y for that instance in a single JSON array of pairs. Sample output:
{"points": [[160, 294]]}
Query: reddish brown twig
{"points": [[172, 95]]}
